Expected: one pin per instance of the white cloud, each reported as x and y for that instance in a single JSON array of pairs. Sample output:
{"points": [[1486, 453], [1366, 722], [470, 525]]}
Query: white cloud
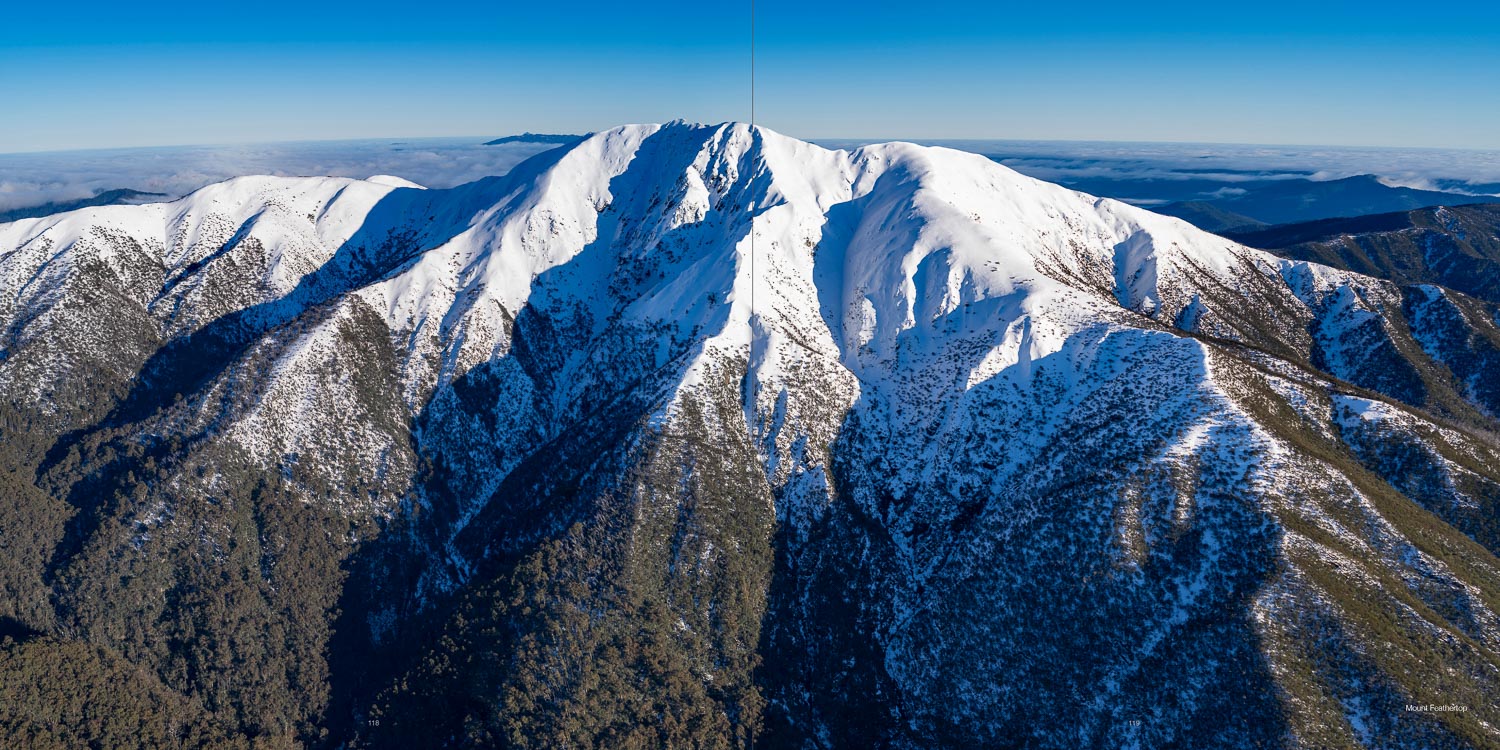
{"points": [[34, 179]]}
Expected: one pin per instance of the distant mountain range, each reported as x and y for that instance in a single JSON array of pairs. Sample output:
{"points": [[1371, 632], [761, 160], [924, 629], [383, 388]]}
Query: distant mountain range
{"points": [[1296, 200], [105, 198], [1210, 216], [1249, 201], [557, 138], [1457, 247]]}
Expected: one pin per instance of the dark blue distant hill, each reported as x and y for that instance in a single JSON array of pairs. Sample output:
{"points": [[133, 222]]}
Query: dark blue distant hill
{"points": [[1206, 215], [106, 198], [1289, 201], [557, 138]]}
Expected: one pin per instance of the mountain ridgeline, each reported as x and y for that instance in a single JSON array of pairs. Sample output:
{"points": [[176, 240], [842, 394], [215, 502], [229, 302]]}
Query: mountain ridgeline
{"points": [[692, 436], [101, 198], [560, 139], [1254, 205], [1457, 247]]}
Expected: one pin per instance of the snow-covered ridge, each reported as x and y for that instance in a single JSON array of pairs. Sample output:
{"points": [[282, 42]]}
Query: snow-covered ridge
{"points": [[911, 235], [994, 229], [870, 262]]}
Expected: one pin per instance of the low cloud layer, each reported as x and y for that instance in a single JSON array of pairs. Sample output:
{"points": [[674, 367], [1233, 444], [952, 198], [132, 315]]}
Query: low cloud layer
{"points": [[35, 179]]}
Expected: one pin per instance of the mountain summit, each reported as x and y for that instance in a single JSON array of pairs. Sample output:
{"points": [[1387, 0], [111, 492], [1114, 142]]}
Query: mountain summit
{"points": [[694, 435]]}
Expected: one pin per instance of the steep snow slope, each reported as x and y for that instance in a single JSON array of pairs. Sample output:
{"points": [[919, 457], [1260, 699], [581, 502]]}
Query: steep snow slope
{"points": [[904, 447]]}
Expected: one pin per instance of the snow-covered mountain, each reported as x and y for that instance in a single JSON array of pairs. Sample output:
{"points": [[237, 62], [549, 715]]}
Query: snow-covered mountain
{"points": [[706, 435]]}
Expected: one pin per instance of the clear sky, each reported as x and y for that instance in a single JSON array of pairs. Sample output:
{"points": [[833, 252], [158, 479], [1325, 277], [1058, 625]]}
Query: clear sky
{"points": [[86, 74]]}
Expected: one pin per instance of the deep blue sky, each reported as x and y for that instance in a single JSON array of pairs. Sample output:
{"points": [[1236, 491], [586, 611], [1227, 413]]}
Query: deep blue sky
{"points": [[91, 74]]}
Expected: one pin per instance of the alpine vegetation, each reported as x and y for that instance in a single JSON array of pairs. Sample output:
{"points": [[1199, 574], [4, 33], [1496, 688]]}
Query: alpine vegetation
{"points": [[702, 436]]}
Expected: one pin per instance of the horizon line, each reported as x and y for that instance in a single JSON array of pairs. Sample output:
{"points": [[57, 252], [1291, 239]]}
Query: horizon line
{"points": [[816, 140]]}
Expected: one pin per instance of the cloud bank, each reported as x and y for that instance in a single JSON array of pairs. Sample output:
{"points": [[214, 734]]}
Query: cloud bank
{"points": [[35, 179]]}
